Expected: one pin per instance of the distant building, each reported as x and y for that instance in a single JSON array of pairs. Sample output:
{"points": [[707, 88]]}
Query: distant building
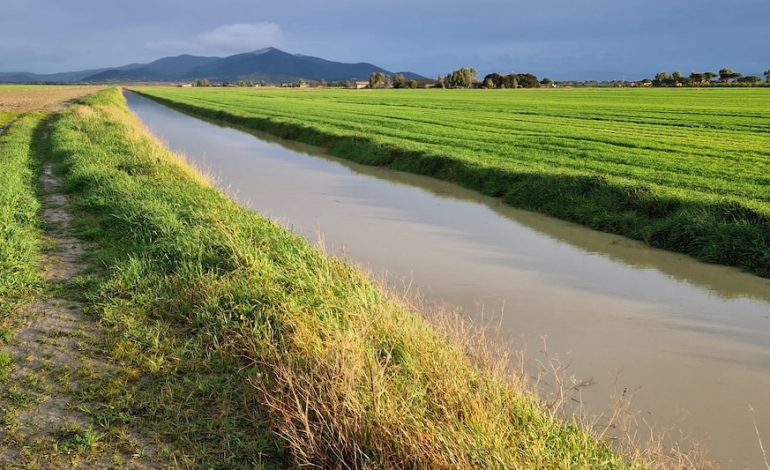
{"points": [[360, 85], [185, 85]]}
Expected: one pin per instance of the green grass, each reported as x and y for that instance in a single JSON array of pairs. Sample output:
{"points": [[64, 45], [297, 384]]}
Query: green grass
{"points": [[19, 231], [5, 118], [684, 170], [241, 344]]}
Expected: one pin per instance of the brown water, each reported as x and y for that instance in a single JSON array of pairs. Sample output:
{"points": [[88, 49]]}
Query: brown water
{"points": [[690, 340]]}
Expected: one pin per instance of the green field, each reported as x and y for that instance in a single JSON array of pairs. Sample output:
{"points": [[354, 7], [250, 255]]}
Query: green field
{"points": [[685, 170]]}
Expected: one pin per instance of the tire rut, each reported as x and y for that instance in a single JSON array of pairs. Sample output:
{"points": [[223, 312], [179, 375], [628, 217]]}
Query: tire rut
{"points": [[44, 421]]}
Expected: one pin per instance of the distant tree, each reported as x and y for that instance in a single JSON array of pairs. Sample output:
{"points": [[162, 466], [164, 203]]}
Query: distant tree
{"points": [[708, 76], [399, 81], [441, 82], [514, 80], [412, 84], [663, 79], [727, 75], [767, 76], [677, 77], [546, 82], [493, 80], [527, 80], [696, 78], [322, 83], [462, 78], [379, 80], [751, 80], [204, 82]]}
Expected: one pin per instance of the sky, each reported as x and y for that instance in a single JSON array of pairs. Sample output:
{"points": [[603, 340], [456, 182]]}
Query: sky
{"points": [[560, 39]]}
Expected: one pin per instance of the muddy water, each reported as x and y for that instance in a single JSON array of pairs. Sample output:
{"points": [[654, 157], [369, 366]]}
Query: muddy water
{"points": [[691, 341]]}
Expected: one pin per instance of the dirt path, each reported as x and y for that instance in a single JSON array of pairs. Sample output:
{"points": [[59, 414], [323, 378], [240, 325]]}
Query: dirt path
{"points": [[45, 422]]}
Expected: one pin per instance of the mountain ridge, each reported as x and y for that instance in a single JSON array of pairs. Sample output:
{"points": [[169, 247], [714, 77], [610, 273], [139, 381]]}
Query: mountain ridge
{"points": [[269, 64]]}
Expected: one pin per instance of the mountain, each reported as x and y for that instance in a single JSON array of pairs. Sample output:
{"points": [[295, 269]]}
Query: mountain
{"points": [[270, 64], [275, 65], [162, 70], [25, 77], [63, 77]]}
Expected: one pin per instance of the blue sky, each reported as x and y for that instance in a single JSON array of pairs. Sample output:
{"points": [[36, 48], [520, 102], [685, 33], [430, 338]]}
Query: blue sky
{"points": [[562, 39]]}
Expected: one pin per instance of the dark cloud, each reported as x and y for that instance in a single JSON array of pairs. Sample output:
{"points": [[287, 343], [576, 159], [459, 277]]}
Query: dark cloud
{"points": [[560, 38]]}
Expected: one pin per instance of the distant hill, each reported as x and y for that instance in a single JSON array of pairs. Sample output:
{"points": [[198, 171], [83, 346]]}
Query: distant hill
{"points": [[25, 77], [270, 64], [165, 69]]}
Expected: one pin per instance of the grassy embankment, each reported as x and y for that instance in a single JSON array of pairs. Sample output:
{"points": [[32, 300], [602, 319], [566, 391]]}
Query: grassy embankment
{"points": [[241, 343], [19, 231], [683, 170]]}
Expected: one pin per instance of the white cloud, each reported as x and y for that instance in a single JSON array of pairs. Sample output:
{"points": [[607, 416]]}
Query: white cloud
{"points": [[227, 39]]}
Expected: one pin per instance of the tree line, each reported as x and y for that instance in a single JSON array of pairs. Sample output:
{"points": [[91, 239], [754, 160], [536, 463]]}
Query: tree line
{"points": [[461, 78], [468, 78], [725, 76], [383, 80]]}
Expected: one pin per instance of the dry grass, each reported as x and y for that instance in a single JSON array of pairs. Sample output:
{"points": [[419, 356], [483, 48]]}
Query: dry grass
{"points": [[557, 392]]}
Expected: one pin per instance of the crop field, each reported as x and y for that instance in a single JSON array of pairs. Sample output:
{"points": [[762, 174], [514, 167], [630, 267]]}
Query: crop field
{"points": [[16, 100], [685, 170]]}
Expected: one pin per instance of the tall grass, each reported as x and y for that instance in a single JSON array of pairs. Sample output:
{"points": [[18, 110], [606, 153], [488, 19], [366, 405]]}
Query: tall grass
{"points": [[683, 170], [242, 344], [19, 235]]}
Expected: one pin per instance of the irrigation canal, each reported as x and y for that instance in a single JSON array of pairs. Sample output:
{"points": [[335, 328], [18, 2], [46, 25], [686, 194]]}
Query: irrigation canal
{"points": [[690, 341]]}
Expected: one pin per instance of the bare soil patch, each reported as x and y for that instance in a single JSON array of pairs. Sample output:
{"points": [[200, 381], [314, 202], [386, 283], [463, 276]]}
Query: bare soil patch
{"points": [[22, 99]]}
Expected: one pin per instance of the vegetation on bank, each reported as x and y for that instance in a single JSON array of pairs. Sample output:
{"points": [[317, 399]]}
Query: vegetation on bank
{"points": [[683, 170], [5, 118], [19, 231], [241, 344]]}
